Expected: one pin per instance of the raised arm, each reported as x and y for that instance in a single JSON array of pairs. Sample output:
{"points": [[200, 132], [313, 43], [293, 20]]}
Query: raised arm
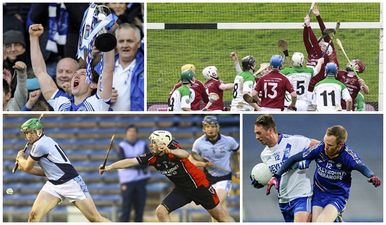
{"points": [[105, 85], [47, 85], [21, 92]]}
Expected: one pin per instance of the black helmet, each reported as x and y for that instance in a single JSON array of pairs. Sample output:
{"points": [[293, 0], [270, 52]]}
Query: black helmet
{"points": [[248, 63]]}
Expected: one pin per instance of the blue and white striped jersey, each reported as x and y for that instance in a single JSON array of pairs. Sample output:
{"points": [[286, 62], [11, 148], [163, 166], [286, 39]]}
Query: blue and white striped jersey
{"points": [[60, 101]]}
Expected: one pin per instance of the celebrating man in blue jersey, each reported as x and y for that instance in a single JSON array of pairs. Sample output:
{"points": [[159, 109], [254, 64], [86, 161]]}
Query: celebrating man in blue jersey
{"points": [[332, 179]]}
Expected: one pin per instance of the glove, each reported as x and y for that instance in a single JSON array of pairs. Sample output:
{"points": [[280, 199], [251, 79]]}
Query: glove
{"points": [[302, 165], [274, 181], [374, 180], [255, 183]]}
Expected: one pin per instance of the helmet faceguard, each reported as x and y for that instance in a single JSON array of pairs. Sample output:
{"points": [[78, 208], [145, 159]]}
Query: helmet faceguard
{"points": [[210, 72], [160, 137], [248, 63], [357, 64]]}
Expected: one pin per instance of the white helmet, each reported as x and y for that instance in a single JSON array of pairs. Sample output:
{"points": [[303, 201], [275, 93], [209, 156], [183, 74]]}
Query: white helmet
{"points": [[161, 137], [210, 72], [297, 59]]}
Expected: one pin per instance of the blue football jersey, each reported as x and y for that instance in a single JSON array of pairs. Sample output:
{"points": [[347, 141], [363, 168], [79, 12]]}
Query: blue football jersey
{"points": [[333, 175]]}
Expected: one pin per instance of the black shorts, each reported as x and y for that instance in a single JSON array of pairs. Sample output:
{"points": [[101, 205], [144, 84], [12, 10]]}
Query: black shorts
{"points": [[207, 197]]}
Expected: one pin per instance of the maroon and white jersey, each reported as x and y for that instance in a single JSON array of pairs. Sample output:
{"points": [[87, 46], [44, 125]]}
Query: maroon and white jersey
{"points": [[213, 86], [314, 53], [200, 94], [271, 89], [352, 83]]}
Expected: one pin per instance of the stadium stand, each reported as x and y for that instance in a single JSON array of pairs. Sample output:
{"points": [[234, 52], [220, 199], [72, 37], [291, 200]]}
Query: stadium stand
{"points": [[85, 140]]}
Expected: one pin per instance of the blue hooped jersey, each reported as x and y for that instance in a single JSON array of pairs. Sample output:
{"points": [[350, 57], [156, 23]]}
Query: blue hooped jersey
{"points": [[333, 175], [60, 101]]}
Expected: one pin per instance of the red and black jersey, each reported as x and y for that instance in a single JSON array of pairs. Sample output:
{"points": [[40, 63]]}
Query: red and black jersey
{"points": [[213, 86], [352, 83], [181, 172]]}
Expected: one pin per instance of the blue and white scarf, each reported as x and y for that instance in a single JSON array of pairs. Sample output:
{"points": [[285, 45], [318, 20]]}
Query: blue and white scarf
{"points": [[57, 27]]}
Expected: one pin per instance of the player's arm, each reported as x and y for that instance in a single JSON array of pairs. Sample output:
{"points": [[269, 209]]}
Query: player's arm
{"points": [[194, 158], [228, 86], [318, 66], [235, 163], [367, 172], [47, 85], [180, 153], [236, 63], [28, 164], [363, 86], [105, 85], [212, 97], [124, 163], [347, 98]]}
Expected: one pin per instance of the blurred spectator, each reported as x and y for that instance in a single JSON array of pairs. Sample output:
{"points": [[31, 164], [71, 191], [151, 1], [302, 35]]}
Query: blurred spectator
{"points": [[65, 70], [67, 14], [15, 48], [15, 15], [128, 12], [20, 96], [36, 101], [133, 180], [128, 78]]}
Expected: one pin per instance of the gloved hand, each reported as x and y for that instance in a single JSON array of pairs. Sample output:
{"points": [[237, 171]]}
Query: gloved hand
{"points": [[274, 181], [374, 180], [304, 164], [255, 183]]}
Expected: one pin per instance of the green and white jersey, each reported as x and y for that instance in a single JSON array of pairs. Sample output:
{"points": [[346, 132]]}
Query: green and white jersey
{"points": [[244, 83], [328, 94], [182, 97], [300, 79]]}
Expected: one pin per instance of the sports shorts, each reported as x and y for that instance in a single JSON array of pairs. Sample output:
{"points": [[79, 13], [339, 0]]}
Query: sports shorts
{"points": [[205, 196], [297, 205], [323, 199], [73, 190], [224, 184]]}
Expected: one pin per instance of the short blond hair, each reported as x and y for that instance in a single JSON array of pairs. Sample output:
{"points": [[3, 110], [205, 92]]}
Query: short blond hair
{"points": [[339, 132]]}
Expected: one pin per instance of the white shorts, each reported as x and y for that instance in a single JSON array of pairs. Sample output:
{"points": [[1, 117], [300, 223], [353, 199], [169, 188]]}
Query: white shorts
{"points": [[224, 184], [73, 190], [269, 109]]}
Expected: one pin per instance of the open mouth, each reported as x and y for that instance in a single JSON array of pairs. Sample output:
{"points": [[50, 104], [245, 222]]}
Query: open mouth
{"points": [[76, 83]]}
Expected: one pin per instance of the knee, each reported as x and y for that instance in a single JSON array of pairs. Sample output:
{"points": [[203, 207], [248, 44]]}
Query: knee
{"points": [[33, 216], [161, 212]]}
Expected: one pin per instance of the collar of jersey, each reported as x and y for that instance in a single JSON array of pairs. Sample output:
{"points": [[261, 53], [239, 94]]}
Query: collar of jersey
{"points": [[215, 141]]}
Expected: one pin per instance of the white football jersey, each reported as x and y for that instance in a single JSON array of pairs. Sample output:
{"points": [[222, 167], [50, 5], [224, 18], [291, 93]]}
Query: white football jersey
{"points": [[182, 97], [244, 82], [60, 101], [294, 183], [328, 94]]}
